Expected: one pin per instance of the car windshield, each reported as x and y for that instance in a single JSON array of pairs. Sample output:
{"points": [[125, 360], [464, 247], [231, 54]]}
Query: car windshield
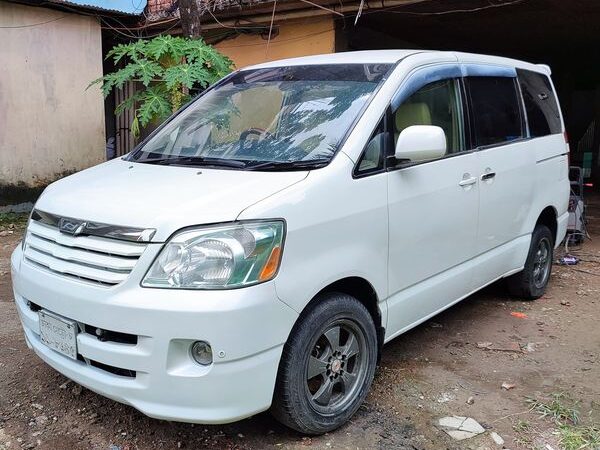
{"points": [[282, 117]]}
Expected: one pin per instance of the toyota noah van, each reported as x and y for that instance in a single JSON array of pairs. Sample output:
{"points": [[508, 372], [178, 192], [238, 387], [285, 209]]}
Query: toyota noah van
{"points": [[259, 248]]}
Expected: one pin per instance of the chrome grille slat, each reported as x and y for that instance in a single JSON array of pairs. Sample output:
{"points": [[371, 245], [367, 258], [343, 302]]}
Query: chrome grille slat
{"points": [[75, 255], [102, 245], [68, 275], [103, 261]]}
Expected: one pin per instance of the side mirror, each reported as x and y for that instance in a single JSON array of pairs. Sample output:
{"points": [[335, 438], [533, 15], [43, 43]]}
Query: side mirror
{"points": [[421, 143]]}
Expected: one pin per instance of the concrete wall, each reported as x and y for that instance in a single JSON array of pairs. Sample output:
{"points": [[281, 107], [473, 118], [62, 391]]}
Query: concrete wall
{"points": [[296, 38], [49, 124]]}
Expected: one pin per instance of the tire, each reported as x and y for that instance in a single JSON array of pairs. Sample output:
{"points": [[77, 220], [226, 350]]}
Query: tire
{"points": [[342, 364], [531, 282]]}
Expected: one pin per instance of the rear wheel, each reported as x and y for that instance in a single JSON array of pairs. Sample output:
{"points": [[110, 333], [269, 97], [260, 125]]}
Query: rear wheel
{"points": [[531, 282], [327, 365]]}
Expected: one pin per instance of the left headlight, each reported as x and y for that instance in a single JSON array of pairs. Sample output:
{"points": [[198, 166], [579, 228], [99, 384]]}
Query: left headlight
{"points": [[219, 257], [25, 230]]}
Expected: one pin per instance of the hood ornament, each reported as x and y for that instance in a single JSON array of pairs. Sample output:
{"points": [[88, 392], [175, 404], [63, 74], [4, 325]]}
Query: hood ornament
{"points": [[71, 226]]}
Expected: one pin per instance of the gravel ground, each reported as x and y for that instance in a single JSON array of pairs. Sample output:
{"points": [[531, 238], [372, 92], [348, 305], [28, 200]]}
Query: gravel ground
{"points": [[454, 364]]}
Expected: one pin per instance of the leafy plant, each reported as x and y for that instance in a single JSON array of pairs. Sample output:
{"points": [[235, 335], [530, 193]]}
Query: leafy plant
{"points": [[168, 68]]}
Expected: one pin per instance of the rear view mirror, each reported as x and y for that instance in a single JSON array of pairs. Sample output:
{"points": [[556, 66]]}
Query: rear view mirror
{"points": [[421, 143]]}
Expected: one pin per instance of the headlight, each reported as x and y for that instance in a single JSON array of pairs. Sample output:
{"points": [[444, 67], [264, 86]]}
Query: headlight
{"points": [[219, 257], [25, 230]]}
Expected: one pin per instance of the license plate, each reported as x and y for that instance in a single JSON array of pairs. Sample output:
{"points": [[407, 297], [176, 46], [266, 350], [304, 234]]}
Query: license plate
{"points": [[59, 334]]}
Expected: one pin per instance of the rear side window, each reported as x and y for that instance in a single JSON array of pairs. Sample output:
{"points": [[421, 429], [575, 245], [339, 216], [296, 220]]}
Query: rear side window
{"points": [[542, 111], [495, 110]]}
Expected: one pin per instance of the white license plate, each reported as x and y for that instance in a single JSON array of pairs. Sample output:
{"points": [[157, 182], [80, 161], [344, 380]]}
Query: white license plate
{"points": [[59, 334]]}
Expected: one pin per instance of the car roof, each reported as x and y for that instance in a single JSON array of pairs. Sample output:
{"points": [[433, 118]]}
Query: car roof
{"points": [[360, 57], [392, 57]]}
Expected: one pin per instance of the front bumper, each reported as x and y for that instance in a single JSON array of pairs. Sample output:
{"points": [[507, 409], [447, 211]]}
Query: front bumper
{"points": [[245, 327]]}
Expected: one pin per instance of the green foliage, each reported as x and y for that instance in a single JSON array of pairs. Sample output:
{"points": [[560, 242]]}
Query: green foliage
{"points": [[581, 437], [13, 221], [564, 412], [559, 407], [167, 67]]}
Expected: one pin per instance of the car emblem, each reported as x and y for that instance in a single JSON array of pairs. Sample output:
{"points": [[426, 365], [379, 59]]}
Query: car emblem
{"points": [[71, 226]]}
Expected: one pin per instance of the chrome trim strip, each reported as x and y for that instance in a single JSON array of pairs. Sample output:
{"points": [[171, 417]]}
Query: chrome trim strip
{"points": [[77, 247], [551, 157], [69, 275], [78, 227], [79, 262]]}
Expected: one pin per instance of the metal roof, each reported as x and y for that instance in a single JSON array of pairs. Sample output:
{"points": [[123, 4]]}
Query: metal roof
{"points": [[132, 7]]}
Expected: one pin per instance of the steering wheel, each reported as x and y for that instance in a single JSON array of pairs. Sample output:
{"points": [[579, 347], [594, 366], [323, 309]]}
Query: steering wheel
{"points": [[257, 131]]}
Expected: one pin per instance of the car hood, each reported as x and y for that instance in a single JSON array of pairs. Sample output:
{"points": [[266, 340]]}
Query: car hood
{"points": [[165, 198]]}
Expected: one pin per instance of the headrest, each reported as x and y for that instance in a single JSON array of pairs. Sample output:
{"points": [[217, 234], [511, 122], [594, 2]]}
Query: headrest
{"points": [[412, 114]]}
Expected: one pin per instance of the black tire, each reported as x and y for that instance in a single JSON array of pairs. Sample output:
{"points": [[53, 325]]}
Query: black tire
{"points": [[301, 401], [531, 282]]}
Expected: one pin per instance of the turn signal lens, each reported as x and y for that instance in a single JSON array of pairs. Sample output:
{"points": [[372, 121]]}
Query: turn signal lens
{"points": [[270, 268]]}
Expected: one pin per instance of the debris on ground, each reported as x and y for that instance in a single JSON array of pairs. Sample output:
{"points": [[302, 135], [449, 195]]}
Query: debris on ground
{"points": [[518, 315], [470, 401], [568, 260], [497, 438], [508, 386], [76, 390], [507, 347], [460, 428], [531, 347], [446, 397]]}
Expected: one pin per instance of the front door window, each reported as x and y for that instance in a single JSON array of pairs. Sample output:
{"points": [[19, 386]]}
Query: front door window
{"points": [[436, 104]]}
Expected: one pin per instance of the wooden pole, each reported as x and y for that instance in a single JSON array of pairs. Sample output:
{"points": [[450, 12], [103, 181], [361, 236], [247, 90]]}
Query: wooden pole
{"points": [[189, 14]]}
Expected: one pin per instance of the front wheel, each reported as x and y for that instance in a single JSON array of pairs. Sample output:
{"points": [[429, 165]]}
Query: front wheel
{"points": [[327, 365], [531, 282]]}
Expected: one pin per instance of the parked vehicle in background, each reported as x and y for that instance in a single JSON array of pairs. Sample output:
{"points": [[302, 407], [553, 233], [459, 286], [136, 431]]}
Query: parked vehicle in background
{"points": [[261, 246]]}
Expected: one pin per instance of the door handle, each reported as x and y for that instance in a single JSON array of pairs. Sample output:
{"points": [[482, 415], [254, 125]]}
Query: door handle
{"points": [[468, 181], [488, 176]]}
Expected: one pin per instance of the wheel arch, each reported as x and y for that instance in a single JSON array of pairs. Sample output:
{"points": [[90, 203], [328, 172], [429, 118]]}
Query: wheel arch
{"points": [[549, 218], [365, 293]]}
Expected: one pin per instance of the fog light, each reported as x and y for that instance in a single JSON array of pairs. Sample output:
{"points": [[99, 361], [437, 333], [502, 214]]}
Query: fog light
{"points": [[202, 353]]}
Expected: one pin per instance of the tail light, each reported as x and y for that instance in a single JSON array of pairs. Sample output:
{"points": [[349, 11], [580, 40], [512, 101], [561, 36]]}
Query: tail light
{"points": [[566, 136]]}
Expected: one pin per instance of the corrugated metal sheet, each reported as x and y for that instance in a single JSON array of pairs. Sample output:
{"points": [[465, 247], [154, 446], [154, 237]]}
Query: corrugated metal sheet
{"points": [[133, 7]]}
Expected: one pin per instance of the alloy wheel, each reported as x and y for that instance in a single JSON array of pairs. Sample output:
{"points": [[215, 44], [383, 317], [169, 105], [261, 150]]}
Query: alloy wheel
{"points": [[542, 263], [336, 367]]}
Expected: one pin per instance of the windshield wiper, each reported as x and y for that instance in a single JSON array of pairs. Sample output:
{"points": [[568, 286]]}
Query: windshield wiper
{"points": [[288, 165], [197, 161]]}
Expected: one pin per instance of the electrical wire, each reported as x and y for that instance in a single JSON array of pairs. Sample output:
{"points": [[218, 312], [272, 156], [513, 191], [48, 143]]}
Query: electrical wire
{"points": [[332, 11], [454, 11], [279, 41], [270, 29], [56, 19]]}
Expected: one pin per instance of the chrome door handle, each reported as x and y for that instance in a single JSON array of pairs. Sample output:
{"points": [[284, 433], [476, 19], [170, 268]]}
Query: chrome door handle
{"points": [[488, 176], [468, 181]]}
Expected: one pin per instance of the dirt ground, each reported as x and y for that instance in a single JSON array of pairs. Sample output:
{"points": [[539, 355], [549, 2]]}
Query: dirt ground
{"points": [[454, 364]]}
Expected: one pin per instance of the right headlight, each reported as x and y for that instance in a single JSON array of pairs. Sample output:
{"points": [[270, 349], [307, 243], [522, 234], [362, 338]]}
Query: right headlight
{"points": [[219, 257]]}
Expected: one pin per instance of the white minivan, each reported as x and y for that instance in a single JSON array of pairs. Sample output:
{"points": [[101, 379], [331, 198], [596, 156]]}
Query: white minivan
{"points": [[259, 248]]}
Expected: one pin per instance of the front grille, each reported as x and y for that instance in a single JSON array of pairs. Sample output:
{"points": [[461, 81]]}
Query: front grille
{"points": [[114, 370], [98, 260]]}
